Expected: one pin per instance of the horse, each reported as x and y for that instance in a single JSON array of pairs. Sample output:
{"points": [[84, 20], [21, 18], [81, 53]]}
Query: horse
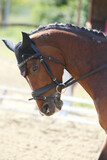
{"points": [[43, 54]]}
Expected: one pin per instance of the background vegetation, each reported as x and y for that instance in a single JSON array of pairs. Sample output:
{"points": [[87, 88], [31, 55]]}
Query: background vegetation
{"points": [[40, 12]]}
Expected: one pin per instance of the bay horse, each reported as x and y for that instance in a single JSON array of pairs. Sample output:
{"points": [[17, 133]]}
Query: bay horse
{"points": [[42, 56]]}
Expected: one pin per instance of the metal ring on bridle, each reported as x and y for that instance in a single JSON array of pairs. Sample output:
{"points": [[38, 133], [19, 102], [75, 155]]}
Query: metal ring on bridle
{"points": [[57, 89], [60, 85]]}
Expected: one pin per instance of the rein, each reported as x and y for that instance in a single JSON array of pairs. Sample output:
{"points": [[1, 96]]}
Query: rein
{"points": [[37, 93]]}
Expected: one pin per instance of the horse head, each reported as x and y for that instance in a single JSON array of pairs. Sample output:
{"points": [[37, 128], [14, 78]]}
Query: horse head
{"points": [[43, 69]]}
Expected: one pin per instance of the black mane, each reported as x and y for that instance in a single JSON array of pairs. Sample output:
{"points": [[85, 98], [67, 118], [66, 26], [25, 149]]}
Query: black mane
{"points": [[69, 28]]}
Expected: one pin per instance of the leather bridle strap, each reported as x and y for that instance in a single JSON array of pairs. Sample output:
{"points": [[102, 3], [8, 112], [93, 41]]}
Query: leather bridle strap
{"points": [[55, 83], [38, 92], [42, 59], [71, 81]]}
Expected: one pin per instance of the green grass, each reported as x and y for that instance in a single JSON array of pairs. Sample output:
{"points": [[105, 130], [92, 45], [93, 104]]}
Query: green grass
{"points": [[14, 33]]}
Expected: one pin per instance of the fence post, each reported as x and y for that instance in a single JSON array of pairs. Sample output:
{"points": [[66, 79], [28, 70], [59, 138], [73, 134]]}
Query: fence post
{"points": [[3, 94], [66, 76]]}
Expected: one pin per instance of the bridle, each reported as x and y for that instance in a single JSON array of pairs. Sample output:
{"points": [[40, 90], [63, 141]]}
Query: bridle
{"points": [[36, 94]]}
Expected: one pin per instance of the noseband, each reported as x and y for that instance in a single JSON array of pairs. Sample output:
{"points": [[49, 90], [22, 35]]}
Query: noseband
{"points": [[37, 93]]}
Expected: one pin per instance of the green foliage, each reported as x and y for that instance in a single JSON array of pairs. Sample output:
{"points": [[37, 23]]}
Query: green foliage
{"points": [[45, 14], [53, 2], [84, 12], [65, 11], [48, 11], [14, 33], [20, 2], [53, 11], [19, 6], [60, 2]]}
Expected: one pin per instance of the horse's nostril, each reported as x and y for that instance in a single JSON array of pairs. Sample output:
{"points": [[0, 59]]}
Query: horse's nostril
{"points": [[46, 109]]}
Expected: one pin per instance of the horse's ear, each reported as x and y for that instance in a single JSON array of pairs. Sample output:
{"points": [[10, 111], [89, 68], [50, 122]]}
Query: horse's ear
{"points": [[11, 45], [26, 41]]}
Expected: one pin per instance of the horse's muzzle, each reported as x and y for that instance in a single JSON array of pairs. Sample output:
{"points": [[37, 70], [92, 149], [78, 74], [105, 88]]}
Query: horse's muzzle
{"points": [[50, 107]]}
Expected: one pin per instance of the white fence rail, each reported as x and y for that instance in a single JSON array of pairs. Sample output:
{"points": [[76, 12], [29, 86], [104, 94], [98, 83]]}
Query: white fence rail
{"points": [[67, 98], [61, 115]]}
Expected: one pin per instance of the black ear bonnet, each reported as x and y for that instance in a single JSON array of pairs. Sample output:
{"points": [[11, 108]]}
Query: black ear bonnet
{"points": [[22, 53]]}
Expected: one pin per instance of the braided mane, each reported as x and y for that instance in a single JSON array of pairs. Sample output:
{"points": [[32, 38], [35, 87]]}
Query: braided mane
{"points": [[69, 28]]}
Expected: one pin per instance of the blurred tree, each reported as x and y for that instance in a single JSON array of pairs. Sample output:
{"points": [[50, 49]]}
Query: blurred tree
{"points": [[53, 11], [20, 6], [5, 4], [79, 12], [60, 2], [85, 11], [46, 11], [20, 2], [64, 11]]}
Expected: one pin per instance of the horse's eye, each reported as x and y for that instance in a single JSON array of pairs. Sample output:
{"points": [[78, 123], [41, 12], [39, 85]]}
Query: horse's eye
{"points": [[34, 68]]}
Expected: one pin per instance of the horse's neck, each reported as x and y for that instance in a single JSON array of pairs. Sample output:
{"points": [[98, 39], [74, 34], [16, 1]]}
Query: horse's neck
{"points": [[76, 52], [80, 56]]}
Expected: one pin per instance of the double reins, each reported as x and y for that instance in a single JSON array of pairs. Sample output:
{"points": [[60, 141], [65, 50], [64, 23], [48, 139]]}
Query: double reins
{"points": [[37, 93]]}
